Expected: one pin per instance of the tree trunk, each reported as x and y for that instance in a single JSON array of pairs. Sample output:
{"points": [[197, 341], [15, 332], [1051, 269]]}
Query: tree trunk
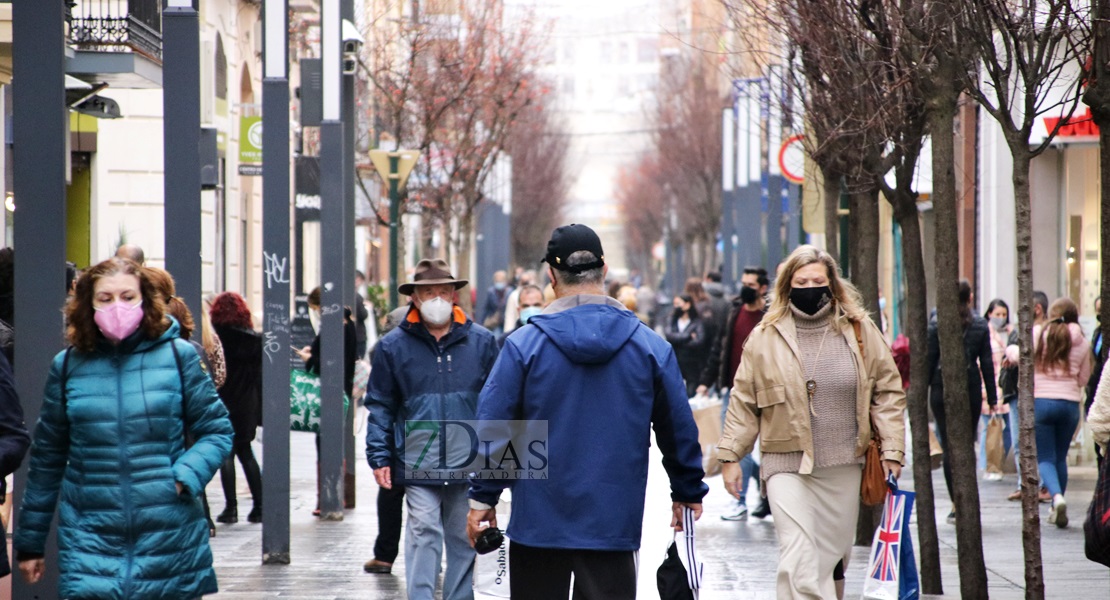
{"points": [[1030, 476], [865, 249], [831, 194], [462, 263], [864, 245], [960, 432], [917, 396], [1097, 97]]}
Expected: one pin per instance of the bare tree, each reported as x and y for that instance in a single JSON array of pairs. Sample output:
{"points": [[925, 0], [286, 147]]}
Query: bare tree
{"points": [[642, 200], [453, 86], [1097, 97], [539, 146], [859, 74], [1023, 50], [687, 142]]}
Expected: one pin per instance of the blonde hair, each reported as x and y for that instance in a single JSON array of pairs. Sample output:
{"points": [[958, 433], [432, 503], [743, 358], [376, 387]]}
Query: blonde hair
{"points": [[208, 337], [847, 303]]}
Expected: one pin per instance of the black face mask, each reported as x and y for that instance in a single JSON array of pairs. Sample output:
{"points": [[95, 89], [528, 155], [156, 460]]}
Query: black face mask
{"points": [[810, 300], [748, 295]]}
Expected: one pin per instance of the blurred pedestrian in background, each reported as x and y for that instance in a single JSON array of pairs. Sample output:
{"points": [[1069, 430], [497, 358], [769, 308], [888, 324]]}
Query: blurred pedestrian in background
{"points": [[242, 393], [1061, 368], [687, 334], [980, 368], [14, 441]]}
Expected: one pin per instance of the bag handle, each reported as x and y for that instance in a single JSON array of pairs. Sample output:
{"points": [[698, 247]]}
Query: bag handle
{"points": [[856, 327], [687, 549]]}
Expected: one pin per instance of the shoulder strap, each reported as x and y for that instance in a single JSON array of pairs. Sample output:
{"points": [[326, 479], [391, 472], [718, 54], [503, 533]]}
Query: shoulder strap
{"points": [[65, 376], [181, 378], [859, 335]]}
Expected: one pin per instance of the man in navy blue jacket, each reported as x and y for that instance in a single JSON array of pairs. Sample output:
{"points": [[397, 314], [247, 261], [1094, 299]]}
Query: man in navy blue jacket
{"points": [[602, 380], [428, 371]]}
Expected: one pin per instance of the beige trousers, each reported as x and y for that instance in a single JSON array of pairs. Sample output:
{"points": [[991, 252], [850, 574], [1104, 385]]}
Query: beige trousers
{"points": [[815, 519]]}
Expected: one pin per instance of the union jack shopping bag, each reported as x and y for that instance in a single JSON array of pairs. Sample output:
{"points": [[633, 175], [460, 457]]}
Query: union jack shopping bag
{"points": [[892, 572]]}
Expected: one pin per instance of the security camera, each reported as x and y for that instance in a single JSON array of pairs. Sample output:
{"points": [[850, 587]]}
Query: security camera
{"points": [[352, 38], [352, 44]]}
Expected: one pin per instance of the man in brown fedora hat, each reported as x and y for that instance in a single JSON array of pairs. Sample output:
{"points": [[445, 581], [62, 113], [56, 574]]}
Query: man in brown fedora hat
{"points": [[425, 373]]}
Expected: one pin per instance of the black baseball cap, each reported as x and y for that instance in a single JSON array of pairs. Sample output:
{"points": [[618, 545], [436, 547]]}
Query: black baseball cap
{"points": [[567, 240]]}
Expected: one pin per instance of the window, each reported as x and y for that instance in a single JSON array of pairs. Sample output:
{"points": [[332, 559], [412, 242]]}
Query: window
{"points": [[568, 85], [647, 50]]}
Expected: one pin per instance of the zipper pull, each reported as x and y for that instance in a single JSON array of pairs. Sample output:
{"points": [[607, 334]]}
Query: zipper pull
{"points": [[439, 365], [448, 363]]}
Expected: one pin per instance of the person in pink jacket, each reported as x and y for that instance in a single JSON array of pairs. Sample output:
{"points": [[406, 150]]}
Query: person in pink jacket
{"points": [[1061, 367]]}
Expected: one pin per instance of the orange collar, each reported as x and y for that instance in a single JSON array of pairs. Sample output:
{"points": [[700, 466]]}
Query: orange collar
{"points": [[414, 315]]}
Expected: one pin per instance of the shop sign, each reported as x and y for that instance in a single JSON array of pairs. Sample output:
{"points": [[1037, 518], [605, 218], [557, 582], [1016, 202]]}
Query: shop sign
{"points": [[250, 140]]}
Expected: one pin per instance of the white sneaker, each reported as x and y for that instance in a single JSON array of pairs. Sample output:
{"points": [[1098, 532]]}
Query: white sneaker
{"points": [[1058, 514], [739, 514], [992, 477]]}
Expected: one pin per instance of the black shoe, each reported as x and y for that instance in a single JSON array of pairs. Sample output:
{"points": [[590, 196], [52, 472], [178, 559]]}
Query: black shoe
{"points": [[763, 510], [230, 515], [255, 515]]}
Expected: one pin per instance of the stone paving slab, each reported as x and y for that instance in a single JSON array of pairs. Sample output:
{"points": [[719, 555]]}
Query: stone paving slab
{"points": [[740, 557]]}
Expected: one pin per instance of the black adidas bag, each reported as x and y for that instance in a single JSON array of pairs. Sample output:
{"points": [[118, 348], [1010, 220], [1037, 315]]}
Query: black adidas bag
{"points": [[1096, 530]]}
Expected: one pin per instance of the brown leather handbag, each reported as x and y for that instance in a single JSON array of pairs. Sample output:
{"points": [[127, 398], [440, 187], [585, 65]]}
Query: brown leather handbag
{"points": [[873, 486]]}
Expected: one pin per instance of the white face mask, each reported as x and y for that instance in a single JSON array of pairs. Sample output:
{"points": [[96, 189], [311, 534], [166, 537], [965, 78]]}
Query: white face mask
{"points": [[436, 311], [314, 318]]}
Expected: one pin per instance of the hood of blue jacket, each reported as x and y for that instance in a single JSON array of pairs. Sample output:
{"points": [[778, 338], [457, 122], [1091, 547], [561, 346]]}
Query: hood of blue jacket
{"points": [[589, 334]]}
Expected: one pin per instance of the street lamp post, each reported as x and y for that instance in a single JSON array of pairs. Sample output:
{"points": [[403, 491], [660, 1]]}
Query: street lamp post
{"points": [[331, 269], [39, 159], [181, 147], [394, 215], [276, 327], [394, 168]]}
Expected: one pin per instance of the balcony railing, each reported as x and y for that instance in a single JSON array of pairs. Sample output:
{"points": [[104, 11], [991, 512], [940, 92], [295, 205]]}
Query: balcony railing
{"points": [[116, 26]]}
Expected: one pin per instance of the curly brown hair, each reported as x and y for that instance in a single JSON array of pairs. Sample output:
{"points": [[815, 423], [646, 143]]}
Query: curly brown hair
{"points": [[175, 306], [82, 331]]}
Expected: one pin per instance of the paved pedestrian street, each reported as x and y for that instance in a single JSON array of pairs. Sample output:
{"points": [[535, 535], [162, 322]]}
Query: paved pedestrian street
{"points": [[740, 557]]}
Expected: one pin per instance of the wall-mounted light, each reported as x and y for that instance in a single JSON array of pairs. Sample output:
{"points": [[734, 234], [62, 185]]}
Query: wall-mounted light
{"points": [[1071, 255], [9, 202]]}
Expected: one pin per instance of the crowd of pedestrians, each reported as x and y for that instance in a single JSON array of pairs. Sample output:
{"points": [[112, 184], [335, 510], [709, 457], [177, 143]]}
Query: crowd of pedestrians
{"points": [[148, 402]]}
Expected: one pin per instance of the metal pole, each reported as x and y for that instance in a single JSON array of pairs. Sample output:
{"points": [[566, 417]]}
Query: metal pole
{"points": [[347, 9], [275, 294], [39, 191], [331, 270], [181, 147], [394, 215]]}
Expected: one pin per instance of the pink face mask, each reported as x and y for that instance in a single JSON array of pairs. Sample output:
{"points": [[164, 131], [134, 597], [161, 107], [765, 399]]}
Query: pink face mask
{"points": [[118, 319]]}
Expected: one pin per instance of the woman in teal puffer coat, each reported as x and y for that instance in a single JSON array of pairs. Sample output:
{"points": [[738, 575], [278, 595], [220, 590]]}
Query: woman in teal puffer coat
{"points": [[110, 444]]}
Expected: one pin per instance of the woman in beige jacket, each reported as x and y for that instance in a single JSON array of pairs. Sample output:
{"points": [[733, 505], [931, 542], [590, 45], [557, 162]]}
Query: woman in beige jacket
{"points": [[816, 373]]}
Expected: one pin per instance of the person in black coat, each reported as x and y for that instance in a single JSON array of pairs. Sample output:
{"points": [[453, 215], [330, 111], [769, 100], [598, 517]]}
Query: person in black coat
{"points": [[980, 368], [311, 358], [14, 440], [242, 394], [686, 333]]}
